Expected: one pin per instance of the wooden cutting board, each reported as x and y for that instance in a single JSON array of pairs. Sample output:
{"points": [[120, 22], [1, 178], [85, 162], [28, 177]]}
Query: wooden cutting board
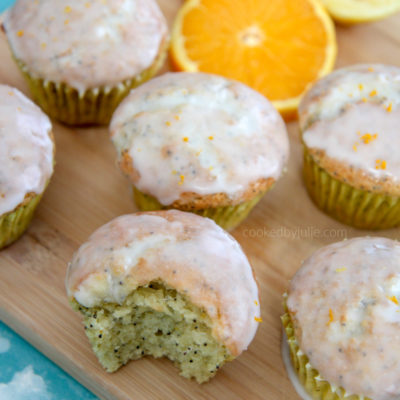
{"points": [[87, 191]]}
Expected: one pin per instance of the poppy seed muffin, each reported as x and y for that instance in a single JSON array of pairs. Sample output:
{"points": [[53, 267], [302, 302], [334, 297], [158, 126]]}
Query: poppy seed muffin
{"points": [[165, 283], [26, 159], [201, 143], [80, 58], [343, 319], [349, 122]]}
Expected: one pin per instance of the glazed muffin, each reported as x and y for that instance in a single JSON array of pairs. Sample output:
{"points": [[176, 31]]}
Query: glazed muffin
{"points": [[165, 283], [26, 159], [80, 58], [349, 122], [343, 318], [201, 143]]}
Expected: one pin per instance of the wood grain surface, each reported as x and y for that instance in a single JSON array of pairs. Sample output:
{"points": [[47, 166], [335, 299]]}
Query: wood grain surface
{"points": [[87, 191]]}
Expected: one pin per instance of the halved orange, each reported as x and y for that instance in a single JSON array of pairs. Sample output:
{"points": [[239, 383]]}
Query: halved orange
{"points": [[277, 47]]}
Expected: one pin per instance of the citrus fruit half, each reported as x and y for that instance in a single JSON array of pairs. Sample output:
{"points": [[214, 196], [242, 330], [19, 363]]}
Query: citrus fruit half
{"points": [[277, 47], [357, 11]]}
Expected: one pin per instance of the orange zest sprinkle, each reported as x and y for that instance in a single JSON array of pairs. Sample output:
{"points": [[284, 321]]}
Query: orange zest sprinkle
{"points": [[367, 138], [373, 93], [182, 179], [66, 22], [168, 123], [389, 107], [370, 69], [67, 9], [185, 139], [177, 117], [361, 86], [256, 302], [198, 153], [258, 319], [355, 146], [364, 99], [211, 137], [341, 269], [380, 164], [330, 317], [20, 33], [394, 299]]}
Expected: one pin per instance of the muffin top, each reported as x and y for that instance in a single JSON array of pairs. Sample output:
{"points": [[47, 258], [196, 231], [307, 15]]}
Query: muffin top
{"points": [[26, 149], [86, 44], [350, 121], [344, 304], [182, 135], [186, 252]]}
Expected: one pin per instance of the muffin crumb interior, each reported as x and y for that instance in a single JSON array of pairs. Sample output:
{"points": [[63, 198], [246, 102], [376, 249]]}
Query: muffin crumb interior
{"points": [[154, 320]]}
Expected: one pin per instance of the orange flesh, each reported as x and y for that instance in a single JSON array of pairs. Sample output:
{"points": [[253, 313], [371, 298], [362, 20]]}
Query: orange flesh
{"points": [[276, 47]]}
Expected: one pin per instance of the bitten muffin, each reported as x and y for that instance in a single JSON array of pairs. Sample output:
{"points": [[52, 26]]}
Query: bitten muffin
{"points": [[165, 283], [343, 321], [349, 122], [80, 58], [201, 143], [26, 160]]}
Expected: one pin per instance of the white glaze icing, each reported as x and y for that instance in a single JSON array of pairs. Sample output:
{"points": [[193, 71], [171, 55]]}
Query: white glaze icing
{"points": [[201, 133], [189, 253], [342, 108], [26, 149], [345, 316], [86, 44]]}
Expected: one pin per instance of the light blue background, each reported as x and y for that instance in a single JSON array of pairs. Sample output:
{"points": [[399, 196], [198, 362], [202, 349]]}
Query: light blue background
{"points": [[21, 355], [5, 4]]}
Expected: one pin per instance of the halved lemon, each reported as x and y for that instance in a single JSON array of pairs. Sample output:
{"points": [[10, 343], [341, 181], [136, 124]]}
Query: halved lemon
{"points": [[277, 47], [357, 11]]}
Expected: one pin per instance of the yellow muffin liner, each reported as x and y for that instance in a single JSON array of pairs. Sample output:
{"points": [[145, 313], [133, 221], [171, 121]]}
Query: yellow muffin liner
{"points": [[13, 224], [355, 207], [228, 217], [93, 106], [317, 387]]}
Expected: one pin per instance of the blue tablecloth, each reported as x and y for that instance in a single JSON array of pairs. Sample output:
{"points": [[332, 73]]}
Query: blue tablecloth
{"points": [[26, 374], [5, 4]]}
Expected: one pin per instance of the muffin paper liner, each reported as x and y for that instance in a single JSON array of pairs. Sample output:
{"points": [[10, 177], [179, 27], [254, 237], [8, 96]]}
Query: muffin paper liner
{"points": [[317, 387], [355, 207], [13, 224], [93, 106], [228, 217]]}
